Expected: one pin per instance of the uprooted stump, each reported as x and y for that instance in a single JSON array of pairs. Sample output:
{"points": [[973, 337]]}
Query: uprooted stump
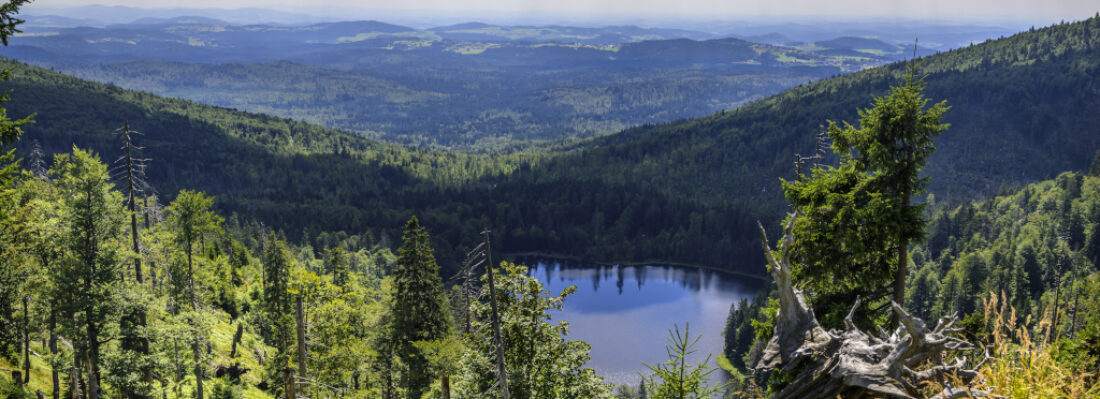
{"points": [[852, 363]]}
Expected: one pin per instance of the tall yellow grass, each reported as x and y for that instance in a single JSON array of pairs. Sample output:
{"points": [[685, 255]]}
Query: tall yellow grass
{"points": [[1020, 366]]}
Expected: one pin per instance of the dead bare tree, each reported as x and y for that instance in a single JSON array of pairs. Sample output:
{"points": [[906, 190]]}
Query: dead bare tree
{"points": [[468, 279], [482, 255], [852, 363], [300, 324], [38, 161], [134, 168]]}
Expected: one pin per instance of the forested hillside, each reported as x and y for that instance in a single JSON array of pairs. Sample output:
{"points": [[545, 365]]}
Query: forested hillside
{"points": [[468, 87], [115, 296], [1023, 108], [306, 180], [686, 191]]}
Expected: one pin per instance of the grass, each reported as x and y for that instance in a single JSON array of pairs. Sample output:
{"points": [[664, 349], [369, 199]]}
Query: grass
{"points": [[1023, 367], [220, 334], [40, 372]]}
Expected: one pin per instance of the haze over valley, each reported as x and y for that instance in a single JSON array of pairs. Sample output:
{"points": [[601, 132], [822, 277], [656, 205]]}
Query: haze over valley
{"points": [[467, 86], [619, 199]]}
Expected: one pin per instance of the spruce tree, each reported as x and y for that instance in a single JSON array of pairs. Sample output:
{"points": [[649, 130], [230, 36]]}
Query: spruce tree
{"points": [[191, 217], [87, 277], [859, 219], [419, 309], [10, 131], [277, 264]]}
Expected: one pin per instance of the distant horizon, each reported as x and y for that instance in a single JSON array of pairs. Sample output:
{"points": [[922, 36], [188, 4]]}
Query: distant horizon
{"points": [[424, 18]]}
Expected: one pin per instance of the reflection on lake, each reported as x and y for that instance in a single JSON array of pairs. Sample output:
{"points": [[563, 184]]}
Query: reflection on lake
{"points": [[625, 312]]}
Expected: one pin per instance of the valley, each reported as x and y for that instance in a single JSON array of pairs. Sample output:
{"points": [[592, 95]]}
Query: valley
{"points": [[202, 208]]}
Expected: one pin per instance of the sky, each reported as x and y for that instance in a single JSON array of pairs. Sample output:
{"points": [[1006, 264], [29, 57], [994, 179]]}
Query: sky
{"points": [[968, 10]]}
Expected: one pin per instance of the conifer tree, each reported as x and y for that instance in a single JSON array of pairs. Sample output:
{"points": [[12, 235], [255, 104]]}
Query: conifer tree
{"points": [[191, 217], [541, 362], [277, 264], [419, 309], [338, 265], [859, 218], [87, 277], [676, 378], [10, 131]]}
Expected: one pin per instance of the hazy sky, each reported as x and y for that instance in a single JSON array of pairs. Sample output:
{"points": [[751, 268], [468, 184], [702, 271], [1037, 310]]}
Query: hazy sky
{"points": [[934, 9]]}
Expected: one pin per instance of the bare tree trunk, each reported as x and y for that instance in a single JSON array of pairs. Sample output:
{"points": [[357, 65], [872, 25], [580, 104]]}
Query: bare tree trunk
{"points": [[288, 376], [1076, 294], [1057, 299], [74, 380], [502, 372], [197, 354], [445, 386], [26, 340], [93, 380], [903, 264], [145, 215], [137, 343], [53, 351], [132, 199], [91, 353], [299, 315], [389, 375]]}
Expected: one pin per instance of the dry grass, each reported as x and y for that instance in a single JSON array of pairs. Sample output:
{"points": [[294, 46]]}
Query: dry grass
{"points": [[1022, 367]]}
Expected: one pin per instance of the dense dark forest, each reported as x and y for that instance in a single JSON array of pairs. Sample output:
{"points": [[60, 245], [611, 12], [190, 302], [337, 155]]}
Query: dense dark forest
{"points": [[1027, 96], [698, 178], [307, 180]]}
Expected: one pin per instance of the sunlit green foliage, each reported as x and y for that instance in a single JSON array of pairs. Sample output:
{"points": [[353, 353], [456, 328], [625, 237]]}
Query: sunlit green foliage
{"points": [[857, 219], [419, 310], [677, 378], [541, 362]]}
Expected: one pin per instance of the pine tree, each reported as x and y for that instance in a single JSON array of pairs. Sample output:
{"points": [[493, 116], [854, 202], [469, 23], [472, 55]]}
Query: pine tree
{"points": [[338, 265], [676, 378], [419, 309], [191, 217], [277, 263], [87, 277], [859, 218], [540, 361], [10, 131]]}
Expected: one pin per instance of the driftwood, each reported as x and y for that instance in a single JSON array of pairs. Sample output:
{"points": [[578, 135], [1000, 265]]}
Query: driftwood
{"points": [[853, 363]]}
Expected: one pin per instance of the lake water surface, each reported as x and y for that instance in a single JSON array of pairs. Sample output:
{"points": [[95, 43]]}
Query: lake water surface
{"points": [[625, 312]]}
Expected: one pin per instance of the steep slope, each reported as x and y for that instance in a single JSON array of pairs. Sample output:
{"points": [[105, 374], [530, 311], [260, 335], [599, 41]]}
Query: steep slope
{"points": [[1023, 108], [305, 179]]}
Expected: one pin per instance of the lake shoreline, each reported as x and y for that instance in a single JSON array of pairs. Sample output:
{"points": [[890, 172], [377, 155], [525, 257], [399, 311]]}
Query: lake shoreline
{"points": [[625, 312], [762, 278]]}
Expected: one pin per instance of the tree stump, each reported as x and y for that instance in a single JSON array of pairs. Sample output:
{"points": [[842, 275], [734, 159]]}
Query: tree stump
{"points": [[853, 363]]}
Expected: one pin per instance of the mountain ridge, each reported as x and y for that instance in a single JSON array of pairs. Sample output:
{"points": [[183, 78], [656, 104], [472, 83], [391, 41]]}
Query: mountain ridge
{"points": [[686, 191]]}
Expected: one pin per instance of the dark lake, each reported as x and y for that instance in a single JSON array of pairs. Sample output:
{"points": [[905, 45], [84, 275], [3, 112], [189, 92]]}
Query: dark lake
{"points": [[625, 312]]}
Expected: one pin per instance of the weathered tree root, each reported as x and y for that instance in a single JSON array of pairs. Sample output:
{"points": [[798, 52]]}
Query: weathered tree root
{"points": [[853, 363]]}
